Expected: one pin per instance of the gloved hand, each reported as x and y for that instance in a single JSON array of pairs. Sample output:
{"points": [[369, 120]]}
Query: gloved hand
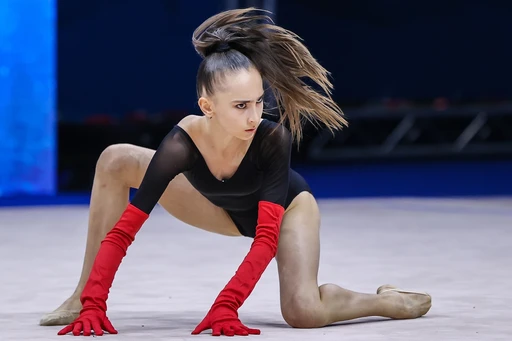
{"points": [[223, 316], [110, 255], [224, 321], [90, 320]]}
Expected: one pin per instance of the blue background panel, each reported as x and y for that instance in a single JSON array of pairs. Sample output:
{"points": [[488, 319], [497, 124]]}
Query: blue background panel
{"points": [[27, 97]]}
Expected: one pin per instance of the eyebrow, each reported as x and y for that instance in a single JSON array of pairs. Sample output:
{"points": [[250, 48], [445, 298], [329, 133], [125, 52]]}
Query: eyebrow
{"points": [[246, 100]]}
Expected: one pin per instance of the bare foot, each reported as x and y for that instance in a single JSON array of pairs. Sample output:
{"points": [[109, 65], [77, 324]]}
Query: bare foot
{"points": [[406, 304], [63, 315]]}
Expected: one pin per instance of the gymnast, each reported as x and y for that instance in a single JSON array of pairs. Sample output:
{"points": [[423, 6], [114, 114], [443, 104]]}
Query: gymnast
{"points": [[228, 172]]}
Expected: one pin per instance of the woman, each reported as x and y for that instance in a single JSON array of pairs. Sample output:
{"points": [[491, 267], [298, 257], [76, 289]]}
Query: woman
{"points": [[232, 169]]}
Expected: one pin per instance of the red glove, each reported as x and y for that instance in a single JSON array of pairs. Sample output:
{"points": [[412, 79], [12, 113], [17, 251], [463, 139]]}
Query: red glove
{"points": [[95, 294], [90, 319], [223, 316], [223, 321]]}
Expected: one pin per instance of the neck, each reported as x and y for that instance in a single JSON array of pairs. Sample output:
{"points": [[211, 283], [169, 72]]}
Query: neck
{"points": [[220, 141]]}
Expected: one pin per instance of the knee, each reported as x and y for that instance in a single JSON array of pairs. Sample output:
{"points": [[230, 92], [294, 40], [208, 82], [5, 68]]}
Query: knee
{"points": [[304, 311], [115, 158]]}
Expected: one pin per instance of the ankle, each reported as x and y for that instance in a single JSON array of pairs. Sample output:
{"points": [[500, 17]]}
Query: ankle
{"points": [[73, 301]]}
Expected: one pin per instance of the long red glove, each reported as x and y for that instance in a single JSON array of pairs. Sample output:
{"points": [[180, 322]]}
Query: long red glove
{"points": [[223, 315], [110, 255]]}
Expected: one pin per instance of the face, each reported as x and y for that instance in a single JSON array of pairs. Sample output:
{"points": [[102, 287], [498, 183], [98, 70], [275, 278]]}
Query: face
{"points": [[237, 104]]}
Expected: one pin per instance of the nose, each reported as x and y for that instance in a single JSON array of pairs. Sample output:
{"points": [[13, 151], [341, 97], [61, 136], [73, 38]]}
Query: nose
{"points": [[253, 116]]}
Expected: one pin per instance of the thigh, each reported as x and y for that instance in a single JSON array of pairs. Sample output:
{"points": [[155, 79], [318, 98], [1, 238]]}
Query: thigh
{"points": [[298, 253], [180, 198]]}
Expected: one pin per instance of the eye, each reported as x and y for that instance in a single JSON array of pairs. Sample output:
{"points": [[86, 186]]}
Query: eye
{"points": [[241, 106], [260, 100]]}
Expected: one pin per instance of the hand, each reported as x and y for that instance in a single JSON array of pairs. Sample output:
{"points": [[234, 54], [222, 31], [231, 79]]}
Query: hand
{"points": [[223, 321], [89, 320], [93, 316], [223, 316]]}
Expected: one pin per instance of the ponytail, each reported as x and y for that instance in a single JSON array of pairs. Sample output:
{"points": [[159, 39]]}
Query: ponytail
{"points": [[239, 39]]}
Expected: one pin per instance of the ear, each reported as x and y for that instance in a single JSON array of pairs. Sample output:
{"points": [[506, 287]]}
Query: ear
{"points": [[206, 106]]}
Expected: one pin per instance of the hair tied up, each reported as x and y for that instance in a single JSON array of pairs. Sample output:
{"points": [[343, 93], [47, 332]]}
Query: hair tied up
{"points": [[220, 47], [302, 87]]}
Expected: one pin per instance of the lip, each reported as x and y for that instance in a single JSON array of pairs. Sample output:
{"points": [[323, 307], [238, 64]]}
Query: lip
{"points": [[250, 130]]}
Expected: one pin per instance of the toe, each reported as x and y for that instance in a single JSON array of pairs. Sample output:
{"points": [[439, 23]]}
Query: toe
{"points": [[59, 318]]}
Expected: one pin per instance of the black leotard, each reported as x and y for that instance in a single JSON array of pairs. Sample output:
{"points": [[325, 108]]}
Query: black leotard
{"points": [[263, 175]]}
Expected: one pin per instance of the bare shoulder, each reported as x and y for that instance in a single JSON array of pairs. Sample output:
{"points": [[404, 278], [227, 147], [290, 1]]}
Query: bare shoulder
{"points": [[190, 123]]}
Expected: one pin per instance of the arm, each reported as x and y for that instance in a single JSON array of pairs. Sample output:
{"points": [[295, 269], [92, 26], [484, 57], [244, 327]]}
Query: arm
{"points": [[170, 159], [264, 246], [277, 151]]}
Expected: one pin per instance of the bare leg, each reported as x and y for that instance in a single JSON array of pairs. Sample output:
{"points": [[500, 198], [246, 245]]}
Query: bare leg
{"points": [[118, 168], [303, 303]]}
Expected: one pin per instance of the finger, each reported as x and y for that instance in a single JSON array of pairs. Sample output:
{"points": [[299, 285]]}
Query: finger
{"points": [[109, 327], [228, 331], [66, 329], [216, 330], [241, 331], [251, 330], [96, 325], [87, 327], [78, 328], [201, 327]]}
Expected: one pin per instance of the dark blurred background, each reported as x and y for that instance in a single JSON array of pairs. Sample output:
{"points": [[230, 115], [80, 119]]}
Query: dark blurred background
{"points": [[426, 87]]}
